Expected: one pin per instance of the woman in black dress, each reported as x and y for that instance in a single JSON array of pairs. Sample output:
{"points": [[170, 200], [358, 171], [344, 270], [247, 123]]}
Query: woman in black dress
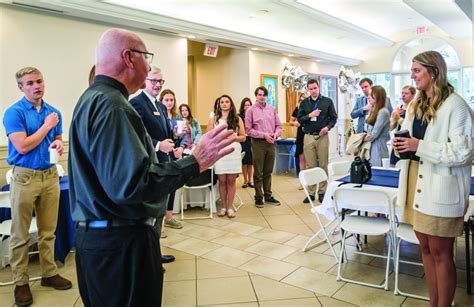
{"points": [[299, 133], [247, 165]]}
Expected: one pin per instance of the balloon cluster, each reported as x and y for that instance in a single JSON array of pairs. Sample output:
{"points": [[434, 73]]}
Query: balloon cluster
{"points": [[294, 77], [348, 81]]}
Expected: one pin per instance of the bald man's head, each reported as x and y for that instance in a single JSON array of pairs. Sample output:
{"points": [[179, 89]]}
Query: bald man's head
{"points": [[115, 58]]}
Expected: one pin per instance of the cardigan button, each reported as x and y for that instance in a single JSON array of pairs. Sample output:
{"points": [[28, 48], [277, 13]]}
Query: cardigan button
{"points": [[421, 162], [417, 206], [420, 176], [419, 190]]}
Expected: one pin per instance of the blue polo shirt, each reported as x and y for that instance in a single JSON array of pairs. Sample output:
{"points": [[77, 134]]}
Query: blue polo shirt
{"points": [[23, 117]]}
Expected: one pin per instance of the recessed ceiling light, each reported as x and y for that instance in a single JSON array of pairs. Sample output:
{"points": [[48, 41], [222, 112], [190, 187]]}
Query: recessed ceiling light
{"points": [[290, 55], [318, 60], [261, 12], [191, 36], [254, 48]]}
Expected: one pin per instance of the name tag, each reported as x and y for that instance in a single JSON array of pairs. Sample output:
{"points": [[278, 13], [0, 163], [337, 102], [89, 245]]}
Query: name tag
{"points": [[156, 113]]}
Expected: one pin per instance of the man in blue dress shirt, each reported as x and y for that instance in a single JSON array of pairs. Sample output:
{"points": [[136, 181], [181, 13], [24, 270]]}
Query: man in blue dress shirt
{"points": [[33, 128]]}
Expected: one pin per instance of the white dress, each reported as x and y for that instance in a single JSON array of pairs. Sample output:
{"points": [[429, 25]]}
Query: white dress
{"points": [[232, 163]]}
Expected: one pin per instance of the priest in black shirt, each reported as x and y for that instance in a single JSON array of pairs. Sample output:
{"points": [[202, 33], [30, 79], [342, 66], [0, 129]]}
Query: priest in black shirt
{"points": [[116, 183]]}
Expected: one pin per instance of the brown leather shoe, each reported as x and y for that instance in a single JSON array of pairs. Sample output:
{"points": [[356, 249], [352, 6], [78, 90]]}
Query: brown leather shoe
{"points": [[57, 282], [23, 295]]}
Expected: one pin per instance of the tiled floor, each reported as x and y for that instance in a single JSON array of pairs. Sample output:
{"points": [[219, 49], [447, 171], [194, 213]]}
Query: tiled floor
{"points": [[256, 260]]}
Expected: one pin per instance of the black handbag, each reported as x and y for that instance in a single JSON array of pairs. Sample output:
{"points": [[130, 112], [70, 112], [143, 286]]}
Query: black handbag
{"points": [[361, 171]]}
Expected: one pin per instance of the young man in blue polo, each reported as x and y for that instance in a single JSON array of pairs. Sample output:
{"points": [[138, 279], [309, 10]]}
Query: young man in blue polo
{"points": [[33, 128]]}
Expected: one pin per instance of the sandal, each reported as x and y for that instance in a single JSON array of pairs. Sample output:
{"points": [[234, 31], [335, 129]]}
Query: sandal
{"points": [[231, 213], [222, 212], [250, 185], [245, 185]]}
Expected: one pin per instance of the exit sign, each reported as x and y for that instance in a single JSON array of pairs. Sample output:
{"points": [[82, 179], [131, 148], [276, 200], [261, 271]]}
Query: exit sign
{"points": [[211, 50]]}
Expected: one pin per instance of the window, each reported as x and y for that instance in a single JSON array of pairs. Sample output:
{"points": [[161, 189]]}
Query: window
{"points": [[468, 85]]}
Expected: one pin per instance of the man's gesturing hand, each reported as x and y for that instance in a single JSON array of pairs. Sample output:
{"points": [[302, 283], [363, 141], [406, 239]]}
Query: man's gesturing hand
{"points": [[211, 146]]}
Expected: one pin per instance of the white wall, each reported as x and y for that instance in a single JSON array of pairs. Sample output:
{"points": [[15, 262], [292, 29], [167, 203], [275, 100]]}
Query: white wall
{"points": [[64, 50]]}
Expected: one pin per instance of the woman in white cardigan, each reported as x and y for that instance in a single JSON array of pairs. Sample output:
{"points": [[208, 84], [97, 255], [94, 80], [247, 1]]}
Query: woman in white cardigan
{"points": [[435, 183]]}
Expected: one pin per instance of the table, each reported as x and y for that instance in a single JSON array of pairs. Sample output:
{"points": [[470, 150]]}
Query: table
{"points": [[65, 229], [285, 155], [387, 181]]}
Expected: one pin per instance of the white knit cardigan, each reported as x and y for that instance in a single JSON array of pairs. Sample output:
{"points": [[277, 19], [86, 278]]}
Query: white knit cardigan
{"points": [[444, 173]]}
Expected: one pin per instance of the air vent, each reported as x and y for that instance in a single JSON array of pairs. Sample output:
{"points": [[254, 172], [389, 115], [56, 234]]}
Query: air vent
{"points": [[225, 44], [45, 9], [164, 31]]}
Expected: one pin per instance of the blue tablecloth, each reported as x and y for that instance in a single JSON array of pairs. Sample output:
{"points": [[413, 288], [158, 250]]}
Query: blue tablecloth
{"points": [[65, 230], [389, 178]]}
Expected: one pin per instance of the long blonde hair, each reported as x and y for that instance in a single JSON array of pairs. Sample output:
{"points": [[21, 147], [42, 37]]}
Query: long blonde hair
{"points": [[380, 100], [424, 107]]}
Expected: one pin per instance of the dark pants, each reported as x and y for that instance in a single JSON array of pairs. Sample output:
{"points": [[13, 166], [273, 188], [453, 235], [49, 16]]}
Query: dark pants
{"points": [[263, 154], [119, 266], [171, 201]]}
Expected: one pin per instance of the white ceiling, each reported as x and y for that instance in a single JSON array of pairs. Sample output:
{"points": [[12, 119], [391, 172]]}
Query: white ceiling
{"points": [[334, 31]]}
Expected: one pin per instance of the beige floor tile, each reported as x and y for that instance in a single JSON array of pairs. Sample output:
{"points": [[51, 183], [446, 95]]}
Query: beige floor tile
{"points": [[203, 233], [461, 298], [268, 267], [55, 298], [172, 239], [278, 220], [270, 210], [225, 291], [331, 302], [367, 296], [7, 299], [319, 282], [412, 302], [236, 241], [274, 236], [270, 290], [248, 210], [180, 270], [351, 253], [195, 246], [253, 304], [405, 268], [179, 293], [241, 228], [292, 302], [315, 261], [253, 220], [296, 229], [79, 302], [229, 256], [210, 269], [272, 250], [298, 241], [215, 222], [179, 255], [361, 272], [186, 226]]}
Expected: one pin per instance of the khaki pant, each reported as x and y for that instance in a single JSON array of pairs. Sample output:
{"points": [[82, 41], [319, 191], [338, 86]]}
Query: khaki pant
{"points": [[263, 155], [36, 190], [316, 148]]}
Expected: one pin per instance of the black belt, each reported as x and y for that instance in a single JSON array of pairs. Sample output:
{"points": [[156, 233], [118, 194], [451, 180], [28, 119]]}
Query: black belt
{"points": [[313, 134], [114, 223]]}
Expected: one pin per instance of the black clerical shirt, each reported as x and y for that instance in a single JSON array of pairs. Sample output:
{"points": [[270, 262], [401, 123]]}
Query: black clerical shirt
{"points": [[113, 169]]}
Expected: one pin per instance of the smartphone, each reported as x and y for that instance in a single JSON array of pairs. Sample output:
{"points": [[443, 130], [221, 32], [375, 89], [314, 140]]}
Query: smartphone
{"points": [[402, 134]]}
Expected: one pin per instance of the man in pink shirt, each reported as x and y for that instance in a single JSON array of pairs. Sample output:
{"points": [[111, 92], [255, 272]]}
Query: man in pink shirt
{"points": [[264, 127]]}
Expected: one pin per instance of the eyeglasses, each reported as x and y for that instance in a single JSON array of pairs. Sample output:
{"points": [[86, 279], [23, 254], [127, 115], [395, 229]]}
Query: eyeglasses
{"points": [[155, 81], [148, 55]]}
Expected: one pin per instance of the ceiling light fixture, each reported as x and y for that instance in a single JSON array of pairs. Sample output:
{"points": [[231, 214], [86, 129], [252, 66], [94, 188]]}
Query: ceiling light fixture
{"points": [[254, 48], [191, 36], [291, 55]]}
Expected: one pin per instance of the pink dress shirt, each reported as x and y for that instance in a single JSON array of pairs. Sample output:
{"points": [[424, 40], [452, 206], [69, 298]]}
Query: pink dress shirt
{"points": [[261, 120]]}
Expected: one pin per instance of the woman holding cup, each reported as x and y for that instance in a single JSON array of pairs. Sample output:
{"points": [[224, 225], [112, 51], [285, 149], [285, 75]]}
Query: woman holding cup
{"points": [[228, 167], [192, 129], [434, 183]]}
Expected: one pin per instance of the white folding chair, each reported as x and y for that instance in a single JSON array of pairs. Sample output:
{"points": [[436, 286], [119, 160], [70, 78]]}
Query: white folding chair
{"points": [[209, 190], [405, 233], [5, 229], [380, 202], [339, 168], [309, 177]]}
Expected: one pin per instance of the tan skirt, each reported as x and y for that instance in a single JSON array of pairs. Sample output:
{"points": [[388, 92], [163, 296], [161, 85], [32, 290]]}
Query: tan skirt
{"points": [[428, 224]]}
